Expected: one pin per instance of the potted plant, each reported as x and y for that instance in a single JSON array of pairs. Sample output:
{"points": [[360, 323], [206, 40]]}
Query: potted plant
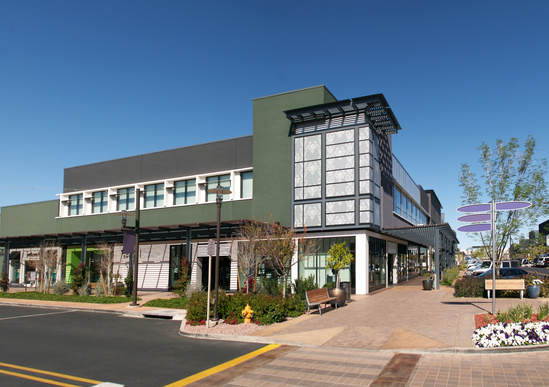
{"points": [[4, 282], [533, 285], [428, 283], [339, 257]]}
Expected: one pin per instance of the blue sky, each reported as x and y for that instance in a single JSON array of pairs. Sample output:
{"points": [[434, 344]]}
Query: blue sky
{"points": [[88, 81]]}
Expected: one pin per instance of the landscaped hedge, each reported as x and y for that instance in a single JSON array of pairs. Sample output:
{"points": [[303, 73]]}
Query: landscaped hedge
{"points": [[469, 287], [64, 298], [267, 309]]}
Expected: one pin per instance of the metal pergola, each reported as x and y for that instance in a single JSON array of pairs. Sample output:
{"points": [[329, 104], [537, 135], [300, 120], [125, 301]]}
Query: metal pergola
{"points": [[439, 236], [178, 232]]}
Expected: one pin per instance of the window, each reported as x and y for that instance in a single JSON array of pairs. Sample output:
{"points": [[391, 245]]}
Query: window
{"points": [[75, 204], [246, 184], [100, 202], [184, 192], [213, 181], [126, 198], [154, 195]]}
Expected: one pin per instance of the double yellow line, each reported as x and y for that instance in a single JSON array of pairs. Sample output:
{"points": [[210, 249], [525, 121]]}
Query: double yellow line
{"points": [[44, 380]]}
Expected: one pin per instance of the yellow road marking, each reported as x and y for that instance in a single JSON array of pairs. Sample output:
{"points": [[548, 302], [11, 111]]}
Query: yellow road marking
{"points": [[221, 367], [37, 379], [75, 378]]}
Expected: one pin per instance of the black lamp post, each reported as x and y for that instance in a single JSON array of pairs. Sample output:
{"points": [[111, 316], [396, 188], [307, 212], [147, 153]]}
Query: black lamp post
{"points": [[219, 191], [124, 219]]}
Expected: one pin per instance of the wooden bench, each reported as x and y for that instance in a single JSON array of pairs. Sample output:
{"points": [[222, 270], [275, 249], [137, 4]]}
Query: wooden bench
{"points": [[505, 284], [318, 297]]}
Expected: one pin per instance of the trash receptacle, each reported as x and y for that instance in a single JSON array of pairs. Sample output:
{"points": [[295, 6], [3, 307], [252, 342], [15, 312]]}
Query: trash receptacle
{"points": [[347, 287]]}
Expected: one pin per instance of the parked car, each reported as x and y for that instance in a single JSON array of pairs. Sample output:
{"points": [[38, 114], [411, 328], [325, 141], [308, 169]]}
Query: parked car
{"points": [[505, 272], [525, 262], [542, 261], [484, 266], [471, 269]]}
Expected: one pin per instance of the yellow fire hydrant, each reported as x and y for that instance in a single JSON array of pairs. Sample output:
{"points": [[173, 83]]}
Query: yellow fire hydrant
{"points": [[247, 314]]}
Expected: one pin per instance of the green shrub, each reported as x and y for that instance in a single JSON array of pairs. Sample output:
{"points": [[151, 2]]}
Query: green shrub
{"points": [[543, 311], [517, 313], [303, 285], [295, 307], [84, 290], [170, 303], [271, 286], [267, 309], [502, 316], [60, 288], [450, 276], [78, 277], [99, 291], [181, 283], [196, 307], [469, 287], [64, 298]]}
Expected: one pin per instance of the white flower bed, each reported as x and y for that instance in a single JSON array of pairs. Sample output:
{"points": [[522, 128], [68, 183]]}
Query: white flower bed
{"points": [[511, 334]]}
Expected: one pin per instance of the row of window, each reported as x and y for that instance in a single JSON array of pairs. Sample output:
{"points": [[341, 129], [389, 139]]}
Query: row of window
{"points": [[157, 195], [405, 207]]}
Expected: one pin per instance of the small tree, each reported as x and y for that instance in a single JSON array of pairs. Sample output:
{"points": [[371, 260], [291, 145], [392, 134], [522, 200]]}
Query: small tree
{"points": [[509, 174], [279, 246], [46, 263], [106, 265], [249, 251], [78, 277], [339, 257]]}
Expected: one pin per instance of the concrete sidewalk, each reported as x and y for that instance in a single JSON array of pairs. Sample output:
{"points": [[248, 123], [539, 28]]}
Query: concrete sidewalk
{"points": [[402, 317]]}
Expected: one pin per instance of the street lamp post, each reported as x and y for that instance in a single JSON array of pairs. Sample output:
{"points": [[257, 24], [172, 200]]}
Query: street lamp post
{"points": [[124, 219], [136, 253], [219, 191]]}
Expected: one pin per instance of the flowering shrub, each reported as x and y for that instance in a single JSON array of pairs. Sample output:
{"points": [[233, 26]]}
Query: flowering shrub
{"points": [[511, 334]]}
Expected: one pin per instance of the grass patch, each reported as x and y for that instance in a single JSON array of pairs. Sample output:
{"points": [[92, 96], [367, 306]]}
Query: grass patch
{"points": [[64, 298], [169, 303]]}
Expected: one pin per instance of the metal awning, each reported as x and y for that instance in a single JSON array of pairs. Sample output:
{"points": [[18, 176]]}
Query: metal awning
{"points": [[204, 230], [439, 236], [423, 235]]}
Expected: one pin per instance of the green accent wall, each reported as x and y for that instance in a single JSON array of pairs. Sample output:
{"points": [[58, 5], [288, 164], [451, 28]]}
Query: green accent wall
{"points": [[272, 159], [41, 218]]}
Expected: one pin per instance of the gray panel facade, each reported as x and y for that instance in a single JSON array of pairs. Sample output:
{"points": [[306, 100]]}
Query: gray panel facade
{"points": [[212, 157]]}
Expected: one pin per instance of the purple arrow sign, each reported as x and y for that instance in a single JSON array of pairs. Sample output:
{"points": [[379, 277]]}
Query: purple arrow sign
{"points": [[503, 206], [475, 218], [477, 227]]}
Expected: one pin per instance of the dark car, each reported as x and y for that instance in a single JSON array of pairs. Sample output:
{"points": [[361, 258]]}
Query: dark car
{"points": [[505, 272]]}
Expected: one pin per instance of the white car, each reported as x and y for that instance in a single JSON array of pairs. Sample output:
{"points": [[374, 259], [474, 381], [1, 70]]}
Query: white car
{"points": [[484, 266], [471, 270]]}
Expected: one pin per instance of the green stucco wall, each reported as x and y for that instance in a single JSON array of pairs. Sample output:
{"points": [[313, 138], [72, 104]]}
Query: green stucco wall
{"points": [[41, 218], [272, 157]]}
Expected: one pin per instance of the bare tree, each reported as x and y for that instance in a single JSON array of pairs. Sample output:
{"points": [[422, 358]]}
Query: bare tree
{"points": [[46, 263], [106, 266], [279, 246], [249, 255]]}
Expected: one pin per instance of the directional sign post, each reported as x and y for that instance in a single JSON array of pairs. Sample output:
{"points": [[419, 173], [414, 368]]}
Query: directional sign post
{"points": [[479, 213]]}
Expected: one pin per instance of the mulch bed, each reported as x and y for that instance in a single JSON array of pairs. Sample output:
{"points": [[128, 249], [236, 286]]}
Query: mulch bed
{"points": [[483, 319]]}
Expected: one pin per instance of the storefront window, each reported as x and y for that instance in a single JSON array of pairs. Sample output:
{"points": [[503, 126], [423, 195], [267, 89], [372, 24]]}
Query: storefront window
{"points": [[315, 264], [377, 270]]}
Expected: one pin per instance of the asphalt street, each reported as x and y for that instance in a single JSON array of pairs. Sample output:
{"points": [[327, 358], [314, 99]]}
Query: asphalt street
{"points": [[103, 347]]}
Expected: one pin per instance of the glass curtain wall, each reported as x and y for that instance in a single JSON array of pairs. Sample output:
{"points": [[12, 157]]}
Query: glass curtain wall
{"points": [[315, 264], [378, 270]]}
